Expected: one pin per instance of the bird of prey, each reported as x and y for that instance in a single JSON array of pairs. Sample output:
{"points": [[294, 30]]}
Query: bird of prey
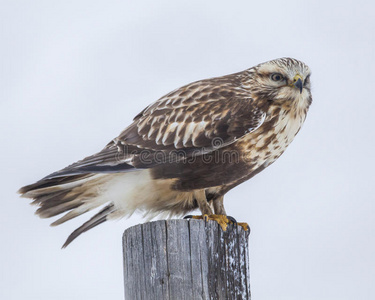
{"points": [[185, 150]]}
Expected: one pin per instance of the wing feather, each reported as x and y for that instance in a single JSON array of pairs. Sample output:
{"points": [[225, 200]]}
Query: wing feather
{"points": [[191, 119], [228, 119]]}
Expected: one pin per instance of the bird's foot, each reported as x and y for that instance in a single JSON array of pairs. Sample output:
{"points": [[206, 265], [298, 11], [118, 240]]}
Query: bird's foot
{"points": [[245, 226], [203, 217], [222, 220]]}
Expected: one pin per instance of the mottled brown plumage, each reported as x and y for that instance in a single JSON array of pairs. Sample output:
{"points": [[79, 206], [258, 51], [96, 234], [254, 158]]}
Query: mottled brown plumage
{"points": [[186, 150]]}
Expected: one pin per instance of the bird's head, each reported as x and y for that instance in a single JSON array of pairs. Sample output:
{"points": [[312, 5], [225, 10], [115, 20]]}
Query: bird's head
{"points": [[282, 81]]}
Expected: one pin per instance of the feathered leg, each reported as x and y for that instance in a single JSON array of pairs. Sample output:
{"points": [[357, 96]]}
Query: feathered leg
{"points": [[206, 210], [203, 205], [218, 204]]}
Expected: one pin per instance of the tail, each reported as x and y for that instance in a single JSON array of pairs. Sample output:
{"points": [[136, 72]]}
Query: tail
{"points": [[99, 218], [72, 195]]}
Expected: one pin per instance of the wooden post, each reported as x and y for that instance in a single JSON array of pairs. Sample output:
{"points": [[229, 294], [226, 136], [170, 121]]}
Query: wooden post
{"points": [[186, 259]]}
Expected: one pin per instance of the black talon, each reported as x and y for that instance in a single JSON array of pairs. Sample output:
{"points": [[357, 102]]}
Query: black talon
{"points": [[233, 220], [188, 217]]}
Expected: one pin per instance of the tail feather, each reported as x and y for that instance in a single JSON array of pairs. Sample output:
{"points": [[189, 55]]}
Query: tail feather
{"points": [[99, 218], [59, 198], [81, 208], [121, 194], [72, 195], [52, 211], [54, 199]]}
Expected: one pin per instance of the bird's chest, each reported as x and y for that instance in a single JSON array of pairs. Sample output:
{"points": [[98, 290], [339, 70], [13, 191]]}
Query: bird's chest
{"points": [[265, 145]]}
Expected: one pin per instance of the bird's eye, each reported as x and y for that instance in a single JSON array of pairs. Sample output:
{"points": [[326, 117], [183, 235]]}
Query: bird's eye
{"points": [[277, 77]]}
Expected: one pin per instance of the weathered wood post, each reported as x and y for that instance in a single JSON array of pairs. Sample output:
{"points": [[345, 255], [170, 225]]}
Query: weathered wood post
{"points": [[186, 259]]}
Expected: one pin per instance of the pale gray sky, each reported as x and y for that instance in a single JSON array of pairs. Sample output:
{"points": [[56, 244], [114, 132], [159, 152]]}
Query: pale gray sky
{"points": [[74, 73]]}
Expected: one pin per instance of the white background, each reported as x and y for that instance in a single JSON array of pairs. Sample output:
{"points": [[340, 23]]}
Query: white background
{"points": [[73, 75]]}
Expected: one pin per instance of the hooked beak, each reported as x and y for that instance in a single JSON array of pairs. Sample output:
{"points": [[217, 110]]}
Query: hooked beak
{"points": [[297, 82]]}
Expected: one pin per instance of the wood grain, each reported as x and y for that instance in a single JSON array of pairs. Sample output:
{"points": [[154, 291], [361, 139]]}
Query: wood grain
{"points": [[186, 259]]}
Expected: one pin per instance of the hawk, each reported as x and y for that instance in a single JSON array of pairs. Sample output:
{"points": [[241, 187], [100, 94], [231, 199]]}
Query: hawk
{"points": [[186, 150]]}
